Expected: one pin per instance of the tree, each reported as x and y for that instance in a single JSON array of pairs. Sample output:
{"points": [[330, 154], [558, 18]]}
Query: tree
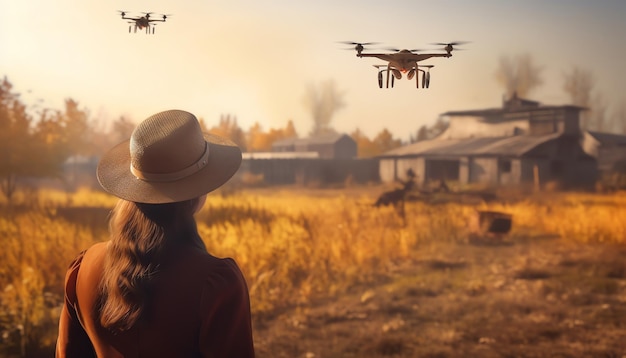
{"points": [[260, 141], [14, 139], [365, 147], [518, 75], [229, 128], [77, 129], [422, 134], [429, 132], [48, 141], [385, 142], [290, 130], [598, 119], [619, 118], [121, 130], [323, 101], [579, 84], [26, 151]]}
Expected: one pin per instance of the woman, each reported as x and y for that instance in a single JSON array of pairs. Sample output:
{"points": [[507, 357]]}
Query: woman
{"points": [[152, 290]]}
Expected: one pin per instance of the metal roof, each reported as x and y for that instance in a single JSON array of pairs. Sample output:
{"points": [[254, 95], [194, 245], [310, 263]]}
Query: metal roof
{"points": [[501, 111], [323, 139], [279, 155], [609, 138], [503, 146]]}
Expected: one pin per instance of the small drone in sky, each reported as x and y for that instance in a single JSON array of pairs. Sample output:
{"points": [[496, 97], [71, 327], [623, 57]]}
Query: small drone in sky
{"points": [[404, 61], [142, 22]]}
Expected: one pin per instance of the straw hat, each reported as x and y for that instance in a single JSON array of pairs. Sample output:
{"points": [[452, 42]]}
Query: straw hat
{"points": [[168, 159]]}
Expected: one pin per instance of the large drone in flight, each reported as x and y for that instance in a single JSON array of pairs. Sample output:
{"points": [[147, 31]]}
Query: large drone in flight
{"points": [[141, 22], [404, 62]]}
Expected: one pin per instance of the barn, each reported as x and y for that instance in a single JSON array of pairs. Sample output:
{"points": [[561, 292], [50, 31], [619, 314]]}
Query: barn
{"points": [[521, 142], [320, 160], [329, 146]]}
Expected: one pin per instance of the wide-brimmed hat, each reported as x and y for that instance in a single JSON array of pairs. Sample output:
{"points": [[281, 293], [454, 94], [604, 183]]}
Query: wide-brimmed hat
{"points": [[168, 159]]}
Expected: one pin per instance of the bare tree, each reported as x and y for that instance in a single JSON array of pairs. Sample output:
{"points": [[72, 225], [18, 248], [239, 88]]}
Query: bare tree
{"points": [[619, 118], [579, 84], [598, 119], [323, 101], [518, 74], [429, 132]]}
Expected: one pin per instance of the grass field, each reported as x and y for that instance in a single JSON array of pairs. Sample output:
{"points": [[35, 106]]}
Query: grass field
{"points": [[331, 276]]}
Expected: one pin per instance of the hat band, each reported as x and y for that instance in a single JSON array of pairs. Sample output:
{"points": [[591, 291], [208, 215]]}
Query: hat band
{"points": [[168, 177]]}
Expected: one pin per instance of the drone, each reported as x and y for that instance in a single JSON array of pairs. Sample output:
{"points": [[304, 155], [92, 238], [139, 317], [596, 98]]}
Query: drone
{"points": [[142, 22], [404, 61]]}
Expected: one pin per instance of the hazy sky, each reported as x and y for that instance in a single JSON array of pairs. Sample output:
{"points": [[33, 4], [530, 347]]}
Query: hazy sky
{"points": [[255, 59]]}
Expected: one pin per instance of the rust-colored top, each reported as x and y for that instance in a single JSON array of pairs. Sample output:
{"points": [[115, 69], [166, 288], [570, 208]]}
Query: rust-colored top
{"points": [[200, 307]]}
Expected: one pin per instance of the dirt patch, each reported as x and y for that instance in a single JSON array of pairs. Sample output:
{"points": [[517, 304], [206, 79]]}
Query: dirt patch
{"points": [[540, 297]]}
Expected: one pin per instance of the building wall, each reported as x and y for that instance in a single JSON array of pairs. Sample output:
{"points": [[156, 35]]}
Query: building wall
{"points": [[483, 170], [509, 171], [392, 169], [464, 170], [571, 121], [387, 169], [609, 156], [345, 148], [528, 170]]}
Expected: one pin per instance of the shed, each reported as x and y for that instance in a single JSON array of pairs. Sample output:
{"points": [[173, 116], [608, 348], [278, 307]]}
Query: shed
{"points": [[330, 146], [609, 149]]}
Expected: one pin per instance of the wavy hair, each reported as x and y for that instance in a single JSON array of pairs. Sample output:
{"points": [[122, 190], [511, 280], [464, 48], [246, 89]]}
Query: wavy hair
{"points": [[141, 235]]}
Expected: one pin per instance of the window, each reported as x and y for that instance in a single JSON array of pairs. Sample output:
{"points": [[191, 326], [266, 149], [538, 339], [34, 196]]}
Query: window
{"points": [[504, 166]]}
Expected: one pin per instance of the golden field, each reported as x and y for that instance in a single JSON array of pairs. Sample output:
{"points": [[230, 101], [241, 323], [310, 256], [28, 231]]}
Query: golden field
{"points": [[294, 247]]}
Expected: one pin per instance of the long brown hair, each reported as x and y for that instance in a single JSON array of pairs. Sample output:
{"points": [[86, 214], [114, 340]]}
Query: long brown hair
{"points": [[141, 234]]}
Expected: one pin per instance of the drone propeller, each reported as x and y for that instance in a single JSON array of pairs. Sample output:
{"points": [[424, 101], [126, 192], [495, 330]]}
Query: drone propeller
{"points": [[147, 14], [358, 46], [450, 45], [123, 13], [165, 16], [358, 43]]}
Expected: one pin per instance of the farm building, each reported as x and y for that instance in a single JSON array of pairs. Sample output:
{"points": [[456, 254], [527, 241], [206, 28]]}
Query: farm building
{"points": [[317, 160], [609, 149], [330, 146], [521, 142]]}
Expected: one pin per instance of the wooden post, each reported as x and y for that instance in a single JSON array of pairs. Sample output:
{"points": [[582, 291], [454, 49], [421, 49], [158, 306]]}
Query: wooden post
{"points": [[536, 177]]}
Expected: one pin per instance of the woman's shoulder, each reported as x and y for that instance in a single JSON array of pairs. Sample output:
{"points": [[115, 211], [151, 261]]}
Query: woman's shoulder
{"points": [[215, 268], [78, 259]]}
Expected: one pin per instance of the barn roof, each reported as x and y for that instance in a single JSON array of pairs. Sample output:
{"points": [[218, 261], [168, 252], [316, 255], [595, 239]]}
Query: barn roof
{"points": [[279, 155], [322, 139], [609, 138], [502, 146], [501, 111]]}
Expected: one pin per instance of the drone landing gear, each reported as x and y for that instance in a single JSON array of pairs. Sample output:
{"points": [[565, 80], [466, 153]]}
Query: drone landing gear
{"points": [[380, 79], [425, 80]]}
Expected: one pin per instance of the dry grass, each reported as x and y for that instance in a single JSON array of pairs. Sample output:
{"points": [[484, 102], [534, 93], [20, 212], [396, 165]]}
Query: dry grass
{"points": [[296, 248]]}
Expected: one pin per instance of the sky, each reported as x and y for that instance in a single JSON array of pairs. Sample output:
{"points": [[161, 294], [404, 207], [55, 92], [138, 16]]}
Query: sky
{"points": [[255, 59]]}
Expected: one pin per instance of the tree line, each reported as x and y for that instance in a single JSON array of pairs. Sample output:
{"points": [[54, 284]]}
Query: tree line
{"points": [[37, 144]]}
